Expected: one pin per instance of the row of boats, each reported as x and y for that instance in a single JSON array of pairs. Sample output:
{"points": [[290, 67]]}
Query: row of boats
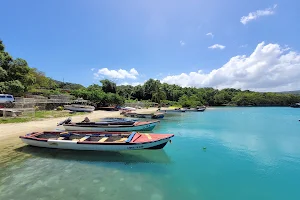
{"points": [[107, 134], [87, 108], [110, 134]]}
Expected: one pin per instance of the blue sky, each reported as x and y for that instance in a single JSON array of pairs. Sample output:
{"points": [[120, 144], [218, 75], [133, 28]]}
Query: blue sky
{"points": [[166, 40]]}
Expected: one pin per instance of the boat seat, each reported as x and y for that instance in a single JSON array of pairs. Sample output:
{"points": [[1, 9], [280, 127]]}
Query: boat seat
{"points": [[84, 138], [130, 137], [121, 140], [103, 139]]}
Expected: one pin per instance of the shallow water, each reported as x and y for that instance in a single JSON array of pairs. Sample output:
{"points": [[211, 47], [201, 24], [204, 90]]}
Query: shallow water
{"points": [[224, 153]]}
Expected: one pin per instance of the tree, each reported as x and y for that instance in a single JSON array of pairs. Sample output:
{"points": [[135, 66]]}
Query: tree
{"points": [[138, 92], [12, 87], [108, 86], [149, 87], [2, 47], [3, 74], [125, 91], [19, 70]]}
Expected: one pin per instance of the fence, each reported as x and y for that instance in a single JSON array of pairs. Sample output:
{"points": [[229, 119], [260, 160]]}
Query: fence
{"points": [[27, 107]]}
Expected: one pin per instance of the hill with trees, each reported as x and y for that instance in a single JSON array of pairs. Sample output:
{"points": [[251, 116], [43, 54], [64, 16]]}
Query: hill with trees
{"points": [[17, 78]]}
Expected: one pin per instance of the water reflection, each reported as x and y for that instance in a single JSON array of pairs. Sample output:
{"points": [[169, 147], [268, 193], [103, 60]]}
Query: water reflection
{"points": [[133, 157]]}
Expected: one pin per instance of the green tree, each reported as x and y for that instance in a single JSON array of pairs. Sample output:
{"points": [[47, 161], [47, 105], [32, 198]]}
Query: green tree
{"points": [[3, 74], [12, 87], [138, 92], [108, 86]]}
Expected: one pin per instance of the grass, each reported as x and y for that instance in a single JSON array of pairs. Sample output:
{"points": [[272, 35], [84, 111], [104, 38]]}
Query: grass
{"points": [[38, 115]]}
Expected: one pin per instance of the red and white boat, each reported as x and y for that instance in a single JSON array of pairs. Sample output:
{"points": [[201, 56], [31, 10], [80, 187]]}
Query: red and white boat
{"points": [[97, 141]]}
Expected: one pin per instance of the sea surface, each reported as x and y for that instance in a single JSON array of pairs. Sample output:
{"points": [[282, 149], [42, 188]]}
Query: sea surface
{"points": [[223, 153]]}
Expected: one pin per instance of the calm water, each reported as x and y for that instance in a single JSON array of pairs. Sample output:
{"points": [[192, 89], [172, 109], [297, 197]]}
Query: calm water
{"points": [[225, 153]]}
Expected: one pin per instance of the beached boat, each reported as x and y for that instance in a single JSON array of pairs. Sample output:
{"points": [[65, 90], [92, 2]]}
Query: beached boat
{"points": [[109, 126], [149, 116], [191, 109], [114, 119], [79, 108], [296, 105], [198, 109], [128, 108], [97, 141], [202, 109], [173, 110]]}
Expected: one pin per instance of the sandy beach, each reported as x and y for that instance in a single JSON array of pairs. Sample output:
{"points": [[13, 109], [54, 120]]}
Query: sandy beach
{"points": [[17, 129]]}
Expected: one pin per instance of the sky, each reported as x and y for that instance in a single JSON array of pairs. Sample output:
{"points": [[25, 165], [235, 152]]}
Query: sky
{"points": [[197, 43]]}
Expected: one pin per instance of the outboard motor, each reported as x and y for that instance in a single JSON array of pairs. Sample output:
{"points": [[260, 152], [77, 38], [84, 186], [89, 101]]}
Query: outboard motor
{"points": [[66, 121]]}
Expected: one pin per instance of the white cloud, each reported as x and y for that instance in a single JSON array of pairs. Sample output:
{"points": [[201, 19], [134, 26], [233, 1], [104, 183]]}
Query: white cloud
{"points": [[117, 74], [92, 69], [133, 84], [259, 13], [244, 46], [269, 68], [182, 43], [217, 46], [210, 34]]}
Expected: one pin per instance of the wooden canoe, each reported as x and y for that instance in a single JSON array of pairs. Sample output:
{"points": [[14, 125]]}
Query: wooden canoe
{"points": [[97, 141]]}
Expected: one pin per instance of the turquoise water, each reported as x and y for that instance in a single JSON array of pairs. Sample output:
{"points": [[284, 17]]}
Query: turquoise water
{"points": [[223, 153]]}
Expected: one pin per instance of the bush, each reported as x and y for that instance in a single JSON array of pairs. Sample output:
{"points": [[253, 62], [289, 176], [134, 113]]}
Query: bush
{"points": [[60, 108]]}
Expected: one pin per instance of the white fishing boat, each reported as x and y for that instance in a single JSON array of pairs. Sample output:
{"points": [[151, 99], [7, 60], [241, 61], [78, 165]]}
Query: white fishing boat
{"points": [[173, 110], [97, 141], [79, 108], [201, 109], [128, 108], [109, 126], [146, 115]]}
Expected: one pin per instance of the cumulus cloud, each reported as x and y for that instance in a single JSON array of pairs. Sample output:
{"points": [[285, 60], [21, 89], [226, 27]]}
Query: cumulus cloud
{"points": [[133, 84], [259, 13], [210, 34], [217, 46], [117, 74], [269, 68], [182, 43]]}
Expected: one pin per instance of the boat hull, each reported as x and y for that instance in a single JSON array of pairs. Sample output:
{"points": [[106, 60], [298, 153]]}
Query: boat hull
{"points": [[79, 109], [143, 127], [61, 144], [172, 111]]}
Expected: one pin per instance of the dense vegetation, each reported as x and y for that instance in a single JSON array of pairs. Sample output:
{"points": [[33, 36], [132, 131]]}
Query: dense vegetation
{"points": [[17, 78], [191, 97]]}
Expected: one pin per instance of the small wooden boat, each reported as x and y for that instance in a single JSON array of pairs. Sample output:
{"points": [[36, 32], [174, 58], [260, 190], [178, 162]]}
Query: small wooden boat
{"points": [[175, 110], [201, 109], [97, 141], [79, 108], [296, 105], [191, 110], [108, 108], [114, 119], [109, 126], [149, 116]]}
